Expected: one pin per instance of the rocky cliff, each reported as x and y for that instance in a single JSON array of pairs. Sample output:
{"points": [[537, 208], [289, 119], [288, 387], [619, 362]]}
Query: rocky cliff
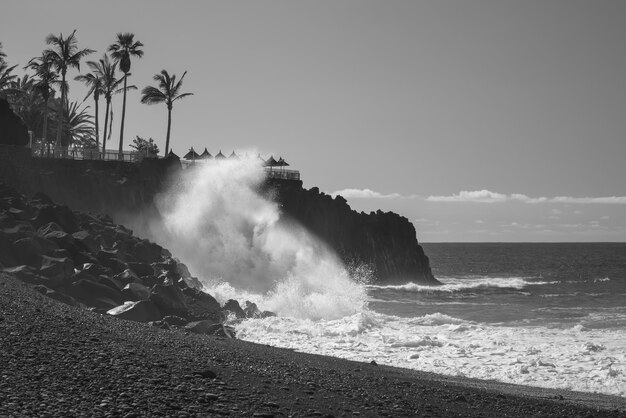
{"points": [[384, 241]]}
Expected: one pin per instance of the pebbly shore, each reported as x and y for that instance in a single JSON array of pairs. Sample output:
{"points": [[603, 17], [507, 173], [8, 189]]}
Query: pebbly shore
{"points": [[61, 360]]}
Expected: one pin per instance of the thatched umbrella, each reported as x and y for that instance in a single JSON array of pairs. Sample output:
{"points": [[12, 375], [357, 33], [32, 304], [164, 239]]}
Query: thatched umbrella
{"points": [[206, 155], [220, 156], [233, 155], [191, 155]]}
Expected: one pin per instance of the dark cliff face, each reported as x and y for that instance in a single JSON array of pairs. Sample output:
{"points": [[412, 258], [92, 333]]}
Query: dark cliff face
{"points": [[109, 187], [384, 240]]}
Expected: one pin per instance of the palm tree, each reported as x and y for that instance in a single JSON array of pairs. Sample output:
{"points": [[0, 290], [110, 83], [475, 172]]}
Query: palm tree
{"points": [[168, 91], [124, 47], [79, 128], [2, 54], [6, 78], [94, 81], [64, 54], [45, 77]]}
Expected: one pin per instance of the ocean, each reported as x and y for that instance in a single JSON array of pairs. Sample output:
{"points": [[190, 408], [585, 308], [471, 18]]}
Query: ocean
{"points": [[547, 315]]}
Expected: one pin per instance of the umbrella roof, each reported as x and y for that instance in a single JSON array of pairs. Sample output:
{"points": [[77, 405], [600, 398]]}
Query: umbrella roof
{"points": [[206, 154], [281, 162], [191, 155], [271, 162], [220, 156], [172, 155], [233, 155]]}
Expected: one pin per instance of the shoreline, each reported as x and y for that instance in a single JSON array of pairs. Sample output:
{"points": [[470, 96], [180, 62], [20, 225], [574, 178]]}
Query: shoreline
{"points": [[62, 360]]}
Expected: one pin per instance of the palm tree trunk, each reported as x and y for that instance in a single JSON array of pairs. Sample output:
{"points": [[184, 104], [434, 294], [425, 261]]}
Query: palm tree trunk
{"points": [[61, 111], [97, 128], [44, 134], [123, 115], [106, 123], [169, 126]]}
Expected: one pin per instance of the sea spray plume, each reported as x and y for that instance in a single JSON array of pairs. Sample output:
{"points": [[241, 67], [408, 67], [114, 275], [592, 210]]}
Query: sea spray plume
{"points": [[234, 239]]}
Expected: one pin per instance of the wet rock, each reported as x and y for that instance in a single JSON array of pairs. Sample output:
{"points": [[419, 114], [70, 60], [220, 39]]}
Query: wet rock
{"points": [[251, 310], [95, 294], [139, 311], [28, 251], [147, 252], [169, 299], [57, 270], [27, 274], [60, 215], [53, 294], [233, 307], [111, 260], [135, 292], [126, 277], [141, 269], [173, 320], [201, 305], [87, 240]]}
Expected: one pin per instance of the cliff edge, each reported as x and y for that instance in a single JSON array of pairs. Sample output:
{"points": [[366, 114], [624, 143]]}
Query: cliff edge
{"points": [[385, 241]]}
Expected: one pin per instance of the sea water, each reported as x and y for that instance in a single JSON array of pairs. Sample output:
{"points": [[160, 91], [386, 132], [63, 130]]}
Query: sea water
{"points": [[550, 315], [547, 315]]}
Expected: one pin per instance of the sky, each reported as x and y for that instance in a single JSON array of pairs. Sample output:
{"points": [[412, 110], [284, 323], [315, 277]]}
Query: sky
{"points": [[478, 120]]}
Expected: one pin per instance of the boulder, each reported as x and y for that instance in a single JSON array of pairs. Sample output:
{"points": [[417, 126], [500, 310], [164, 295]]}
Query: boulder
{"points": [[53, 294], [233, 307], [126, 277], [57, 270], [141, 269], [135, 292], [176, 321], [60, 238], [169, 299], [60, 215], [139, 311], [147, 252], [251, 310], [27, 274], [49, 227], [28, 251], [201, 305], [98, 295], [86, 240], [110, 259]]}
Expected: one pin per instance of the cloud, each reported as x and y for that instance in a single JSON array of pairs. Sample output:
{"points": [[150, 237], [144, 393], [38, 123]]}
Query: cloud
{"points": [[368, 194], [487, 196]]}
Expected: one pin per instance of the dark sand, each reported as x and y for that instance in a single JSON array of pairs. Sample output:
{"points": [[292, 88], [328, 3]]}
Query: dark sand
{"points": [[57, 360]]}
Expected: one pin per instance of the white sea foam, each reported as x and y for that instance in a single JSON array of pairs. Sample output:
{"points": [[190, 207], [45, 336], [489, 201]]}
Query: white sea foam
{"points": [[451, 284], [235, 240], [577, 358]]}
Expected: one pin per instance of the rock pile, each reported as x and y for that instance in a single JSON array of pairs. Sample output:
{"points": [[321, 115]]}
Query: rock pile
{"points": [[87, 260]]}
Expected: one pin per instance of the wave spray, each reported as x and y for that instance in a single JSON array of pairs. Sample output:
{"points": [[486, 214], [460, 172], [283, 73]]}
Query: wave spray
{"points": [[233, 238]]}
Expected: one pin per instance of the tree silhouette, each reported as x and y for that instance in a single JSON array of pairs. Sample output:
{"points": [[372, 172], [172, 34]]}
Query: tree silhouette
{"points": [[168, 91], [122, 50]]}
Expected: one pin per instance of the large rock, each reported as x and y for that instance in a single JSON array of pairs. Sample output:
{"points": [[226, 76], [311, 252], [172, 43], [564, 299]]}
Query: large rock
{"points": [[208, 327], [140, 311], [233, 307], [57, 270], [169, 299], [28, 251], [97, 295], [135, 292], [13, 131], [201, 305], [147, 252]]}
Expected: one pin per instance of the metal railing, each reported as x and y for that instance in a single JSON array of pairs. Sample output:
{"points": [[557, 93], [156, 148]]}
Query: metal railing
{"points": [[50, 151], [282, 174]]}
